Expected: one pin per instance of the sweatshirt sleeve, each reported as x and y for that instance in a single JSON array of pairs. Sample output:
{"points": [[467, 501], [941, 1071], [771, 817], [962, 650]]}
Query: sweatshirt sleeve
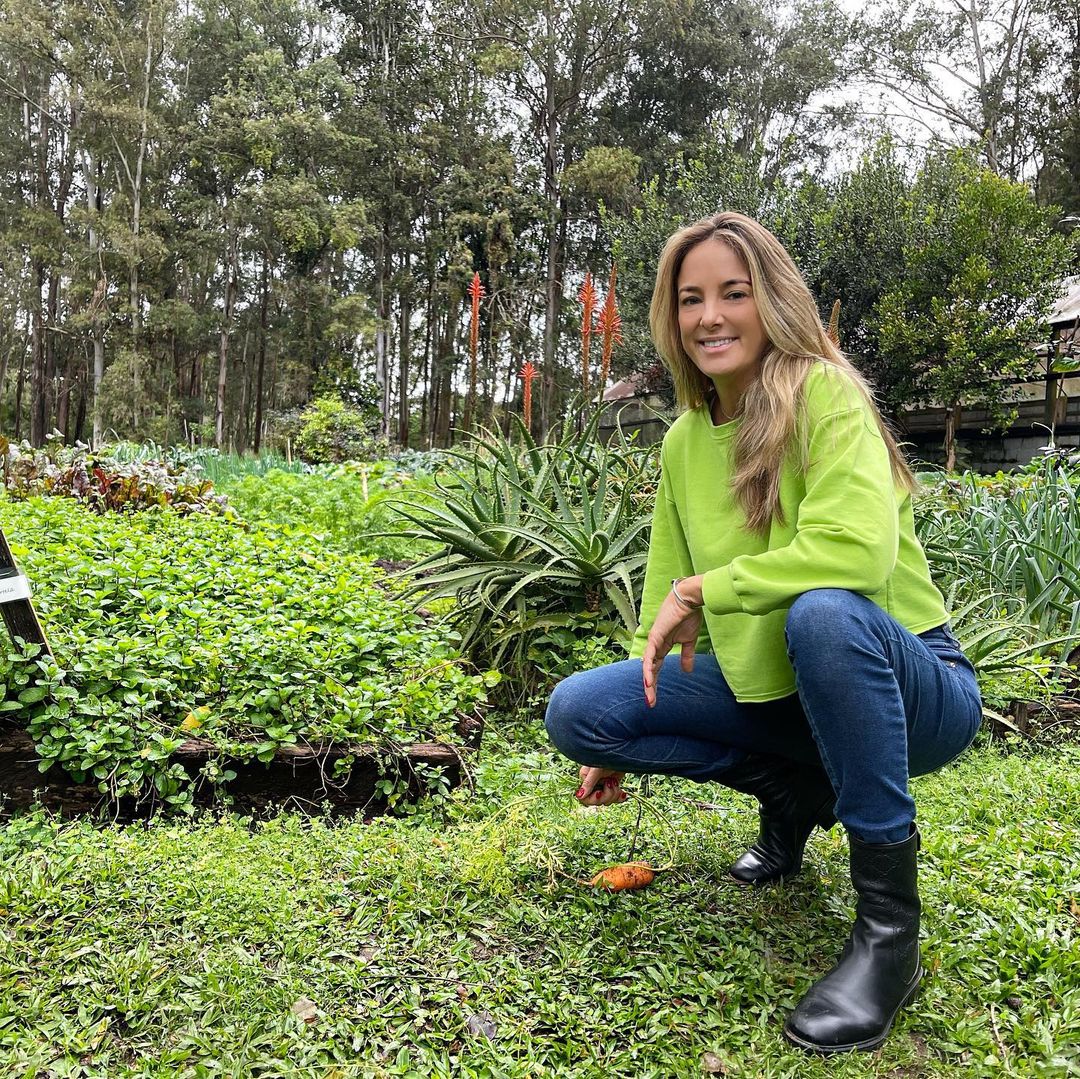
{"points": [[669, 557], [847, 526]]}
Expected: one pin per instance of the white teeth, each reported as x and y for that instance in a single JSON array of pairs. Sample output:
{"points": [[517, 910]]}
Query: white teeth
{"points": [[717, 341]]}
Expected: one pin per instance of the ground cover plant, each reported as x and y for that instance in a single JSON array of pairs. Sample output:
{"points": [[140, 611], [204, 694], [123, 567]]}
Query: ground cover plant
{"points": [[450, 944], [345, 507], [168, 627]]}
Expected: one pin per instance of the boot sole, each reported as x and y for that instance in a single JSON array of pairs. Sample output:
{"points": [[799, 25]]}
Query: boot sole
{"points": [[868, 1044], [763, 882]]}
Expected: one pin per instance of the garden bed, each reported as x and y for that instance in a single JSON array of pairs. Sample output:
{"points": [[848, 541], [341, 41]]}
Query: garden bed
{"points": [[1057, 720], [201, 659], [299, 778]]}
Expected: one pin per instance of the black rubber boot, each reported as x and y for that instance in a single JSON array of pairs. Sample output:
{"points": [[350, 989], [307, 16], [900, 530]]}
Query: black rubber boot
{"points": [[854, 1005], [793, 798]]}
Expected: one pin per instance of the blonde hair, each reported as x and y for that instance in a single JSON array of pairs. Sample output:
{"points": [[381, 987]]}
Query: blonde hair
{"points": [[772, 404]]}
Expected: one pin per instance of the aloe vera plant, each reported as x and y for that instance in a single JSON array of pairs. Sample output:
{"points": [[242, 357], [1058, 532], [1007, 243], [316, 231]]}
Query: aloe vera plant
{"points": [[535, 535]]}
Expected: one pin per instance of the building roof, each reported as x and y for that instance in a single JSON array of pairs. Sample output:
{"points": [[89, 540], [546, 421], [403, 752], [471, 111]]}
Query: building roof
{"points": [[628, 387], [1067, 308]]}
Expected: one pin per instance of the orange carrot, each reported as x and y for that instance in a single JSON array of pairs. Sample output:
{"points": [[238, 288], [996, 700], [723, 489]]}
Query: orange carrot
{"points": [[622, 878]]}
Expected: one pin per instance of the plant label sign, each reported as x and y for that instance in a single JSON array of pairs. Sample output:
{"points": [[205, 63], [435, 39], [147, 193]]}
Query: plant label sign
{"points": [[14, 588], [18, 612]]}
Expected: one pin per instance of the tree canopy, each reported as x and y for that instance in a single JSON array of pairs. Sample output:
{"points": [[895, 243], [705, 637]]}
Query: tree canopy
{"points": [[216, 212]]}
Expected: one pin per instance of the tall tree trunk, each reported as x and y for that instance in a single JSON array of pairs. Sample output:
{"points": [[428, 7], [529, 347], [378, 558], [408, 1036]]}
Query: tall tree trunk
{"points": [[444, 366], [512, 369], [80, 415], [20, 383], [223, 339], [67, 388], [239, 437], [952, 425], [427, 408], [4, 363], [404, 347], [136, 180], [91, 180], [37, 359], [52, 320], [553, 281], [382, 332], [261, 365], [39, 199]]}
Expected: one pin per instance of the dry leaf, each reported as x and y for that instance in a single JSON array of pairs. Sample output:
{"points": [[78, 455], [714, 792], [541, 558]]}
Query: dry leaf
{"points": [[305, 1009], [481, 1025], [195, 719], [711, 1064]]}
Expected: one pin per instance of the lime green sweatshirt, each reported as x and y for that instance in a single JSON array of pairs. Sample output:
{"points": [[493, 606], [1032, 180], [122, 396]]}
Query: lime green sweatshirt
{"points": [[847, 525]]}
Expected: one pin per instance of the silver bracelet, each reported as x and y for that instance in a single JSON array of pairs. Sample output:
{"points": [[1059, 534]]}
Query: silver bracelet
{"points": [[682, 602]]}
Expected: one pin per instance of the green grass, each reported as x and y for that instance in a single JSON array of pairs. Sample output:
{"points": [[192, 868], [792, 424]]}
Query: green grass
{"points": [[178, 949]]}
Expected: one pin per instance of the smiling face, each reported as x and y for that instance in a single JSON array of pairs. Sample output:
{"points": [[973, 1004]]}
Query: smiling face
{"points": [[719, 325]]}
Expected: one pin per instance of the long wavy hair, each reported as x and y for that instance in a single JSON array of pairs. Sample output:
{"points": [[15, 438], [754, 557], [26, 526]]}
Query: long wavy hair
{"points": [[772, 404]]}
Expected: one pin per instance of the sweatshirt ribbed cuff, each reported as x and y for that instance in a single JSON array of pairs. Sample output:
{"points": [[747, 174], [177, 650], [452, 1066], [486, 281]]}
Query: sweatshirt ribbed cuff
{"points": [[719, 593]]}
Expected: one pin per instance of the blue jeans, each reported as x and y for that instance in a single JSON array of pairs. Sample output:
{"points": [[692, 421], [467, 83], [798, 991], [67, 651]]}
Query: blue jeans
{"points": [[875, 705]]}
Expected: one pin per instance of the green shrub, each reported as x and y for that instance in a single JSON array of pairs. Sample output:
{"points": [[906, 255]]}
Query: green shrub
{"points": [[331, 432], [1018, 537], [166, 627], [1005, 550]]}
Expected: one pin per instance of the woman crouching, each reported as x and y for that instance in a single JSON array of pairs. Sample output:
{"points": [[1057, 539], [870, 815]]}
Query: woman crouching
{"points": [[816, 668]]}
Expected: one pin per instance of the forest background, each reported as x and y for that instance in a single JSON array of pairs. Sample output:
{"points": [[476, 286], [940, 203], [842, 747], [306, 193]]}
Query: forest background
{"points": [[215, 213]]}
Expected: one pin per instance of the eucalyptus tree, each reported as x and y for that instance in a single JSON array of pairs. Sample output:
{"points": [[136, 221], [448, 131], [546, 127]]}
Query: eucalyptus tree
{"points": [[264, 181], [757, 74], [445, 198], [971, 71], [555, 60], [42, 78], [1058, 112], [91, 85]]}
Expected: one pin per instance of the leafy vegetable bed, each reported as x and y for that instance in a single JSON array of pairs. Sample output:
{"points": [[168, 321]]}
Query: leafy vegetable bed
{"points": [[167, 628]]}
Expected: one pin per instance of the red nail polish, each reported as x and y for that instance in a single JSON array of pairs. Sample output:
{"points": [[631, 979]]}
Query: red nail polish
{"points": [[580, 792]]}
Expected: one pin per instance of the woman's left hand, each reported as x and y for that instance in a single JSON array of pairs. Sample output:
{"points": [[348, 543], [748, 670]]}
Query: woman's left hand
{"points": [[673, 625]]}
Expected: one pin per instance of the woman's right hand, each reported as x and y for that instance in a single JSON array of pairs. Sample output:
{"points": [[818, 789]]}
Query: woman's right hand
{"points": [[600, 787]]}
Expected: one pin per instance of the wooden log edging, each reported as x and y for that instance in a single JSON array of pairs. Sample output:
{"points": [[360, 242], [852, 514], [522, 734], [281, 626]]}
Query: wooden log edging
{"points": [[299, 778]]}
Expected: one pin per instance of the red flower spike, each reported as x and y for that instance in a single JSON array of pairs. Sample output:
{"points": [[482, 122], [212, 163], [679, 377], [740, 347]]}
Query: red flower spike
{"points": [[587, 296], [528, 373], [610, 326], [476, 293]]}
